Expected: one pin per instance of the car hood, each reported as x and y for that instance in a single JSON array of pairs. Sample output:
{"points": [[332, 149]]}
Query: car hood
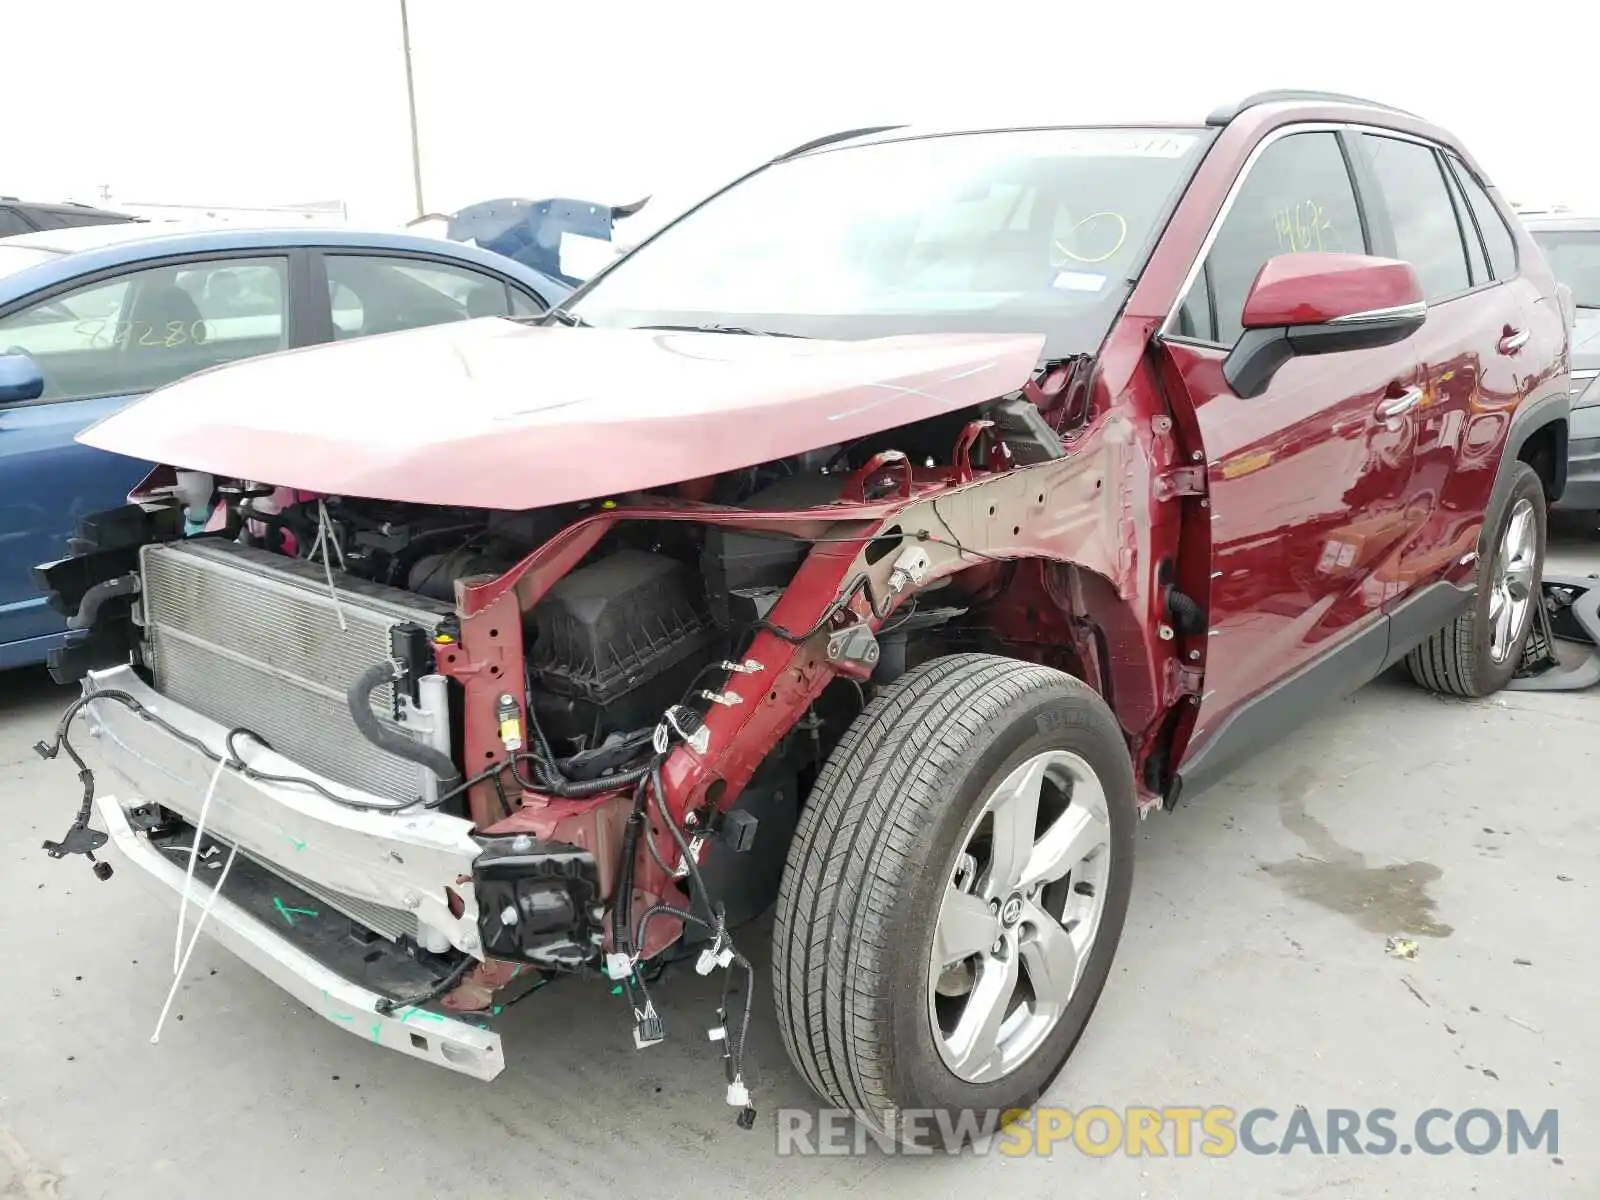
{"points": [[494, 414]]}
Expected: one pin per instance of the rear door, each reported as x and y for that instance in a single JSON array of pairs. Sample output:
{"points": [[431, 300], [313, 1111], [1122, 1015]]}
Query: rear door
{"points": [[1470, 351], [100, 344], [1307, 481]]}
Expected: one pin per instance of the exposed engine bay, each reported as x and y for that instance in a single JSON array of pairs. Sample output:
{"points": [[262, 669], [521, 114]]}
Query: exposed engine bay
{"points": [[615, 642]]}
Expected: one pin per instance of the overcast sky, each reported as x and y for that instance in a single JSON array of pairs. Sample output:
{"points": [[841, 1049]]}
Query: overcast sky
{"points": [[275, 101]]}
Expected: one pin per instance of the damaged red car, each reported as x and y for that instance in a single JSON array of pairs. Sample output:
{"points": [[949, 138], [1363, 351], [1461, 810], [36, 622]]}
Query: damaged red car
{"points": [[877, 543]]}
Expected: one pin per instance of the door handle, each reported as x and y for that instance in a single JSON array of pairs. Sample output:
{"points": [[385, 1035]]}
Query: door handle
{"points": [[1397, 406], [1514, 340]]}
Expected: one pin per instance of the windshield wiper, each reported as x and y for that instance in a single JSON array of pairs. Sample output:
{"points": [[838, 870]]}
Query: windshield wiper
{"points": [[716, 328], [560, 316]]}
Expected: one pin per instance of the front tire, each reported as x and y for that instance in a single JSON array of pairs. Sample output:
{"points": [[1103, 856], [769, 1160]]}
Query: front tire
{"points": [[955, 892], [1478, 652]]}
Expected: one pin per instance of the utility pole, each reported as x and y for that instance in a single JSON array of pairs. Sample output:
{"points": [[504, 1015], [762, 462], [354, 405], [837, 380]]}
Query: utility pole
{"points": [[411, 105]]}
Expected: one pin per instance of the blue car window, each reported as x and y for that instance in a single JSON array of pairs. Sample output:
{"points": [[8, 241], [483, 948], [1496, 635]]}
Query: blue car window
{"points": [[139, 331], [375, 294]]}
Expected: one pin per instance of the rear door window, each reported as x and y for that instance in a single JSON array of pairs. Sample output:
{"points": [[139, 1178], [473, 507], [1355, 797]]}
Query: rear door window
{"points": [[11, 222], [1297, 196], [373, 293], [1426, 231]]}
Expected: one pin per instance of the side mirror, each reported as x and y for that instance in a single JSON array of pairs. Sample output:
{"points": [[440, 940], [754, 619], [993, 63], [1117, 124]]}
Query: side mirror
{"points": [[21, 379], [1321, 303]]}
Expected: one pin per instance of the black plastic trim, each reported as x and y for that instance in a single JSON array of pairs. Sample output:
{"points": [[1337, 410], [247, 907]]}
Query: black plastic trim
{"points": [[828, 139], [1423, 614], [317, 299], [1530, 417], [301, 314], [1467, 219], [1256, 357], [1260, 353], [1285, 706], [1361, 182]]}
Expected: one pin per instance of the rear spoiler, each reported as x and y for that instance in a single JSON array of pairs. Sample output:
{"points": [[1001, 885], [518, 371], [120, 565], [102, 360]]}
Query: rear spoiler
{"points": [[533, 231]]}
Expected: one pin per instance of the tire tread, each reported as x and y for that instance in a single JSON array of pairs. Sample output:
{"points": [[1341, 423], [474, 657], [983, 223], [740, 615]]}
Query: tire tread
{"points": [[878, 790]]}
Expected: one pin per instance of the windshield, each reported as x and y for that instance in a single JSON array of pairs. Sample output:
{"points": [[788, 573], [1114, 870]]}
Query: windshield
{"points": [[1574, 256], [1033, 231], [20, 258]]}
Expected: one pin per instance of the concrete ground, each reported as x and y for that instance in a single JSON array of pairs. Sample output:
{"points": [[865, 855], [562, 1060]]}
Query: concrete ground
{"points": [[1253, 973]]}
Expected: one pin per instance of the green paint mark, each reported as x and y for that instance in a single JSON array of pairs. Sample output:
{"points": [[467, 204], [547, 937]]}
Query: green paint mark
{"points": [[377, 1029], [497, 1010], [343, 1017], [515, 971], [295, 842], [421, 1014], [617, 990], [288, 912]]}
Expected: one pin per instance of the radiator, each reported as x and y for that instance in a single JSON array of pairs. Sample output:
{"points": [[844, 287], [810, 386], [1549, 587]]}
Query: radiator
{"points": [[252, 639]]}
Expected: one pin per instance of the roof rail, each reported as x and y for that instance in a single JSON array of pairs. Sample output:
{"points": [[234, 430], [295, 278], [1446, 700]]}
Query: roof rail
{"points": [[842, 136], [1228, 112]]}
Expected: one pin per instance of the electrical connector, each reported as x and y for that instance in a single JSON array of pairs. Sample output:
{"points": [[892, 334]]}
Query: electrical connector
{"points": [[647, 1028], [618, 966], [911, 566], [696, 844], [746, 1118], [707, 962], [738, 1094], [686, 723]]}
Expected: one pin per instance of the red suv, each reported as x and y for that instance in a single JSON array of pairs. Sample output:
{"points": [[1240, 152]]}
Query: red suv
{"points": [[878, 540]]}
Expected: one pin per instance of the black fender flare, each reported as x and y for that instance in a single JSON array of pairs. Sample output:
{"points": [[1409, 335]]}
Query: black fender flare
{"points": [[1530, 417]]}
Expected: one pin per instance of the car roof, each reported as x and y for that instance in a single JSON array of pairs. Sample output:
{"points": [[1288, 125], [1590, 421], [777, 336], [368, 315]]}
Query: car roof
{"points": [[75, 238], [1261, 108], [89, 249], [65, 207]]}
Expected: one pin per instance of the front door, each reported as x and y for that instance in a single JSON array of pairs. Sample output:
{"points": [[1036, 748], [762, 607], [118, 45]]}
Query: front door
{"points": [[1306, 481]]}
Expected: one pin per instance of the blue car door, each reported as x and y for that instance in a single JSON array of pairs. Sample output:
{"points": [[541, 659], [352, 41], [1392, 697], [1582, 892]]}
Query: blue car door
{"points": [[99, 345], [48, 481]]}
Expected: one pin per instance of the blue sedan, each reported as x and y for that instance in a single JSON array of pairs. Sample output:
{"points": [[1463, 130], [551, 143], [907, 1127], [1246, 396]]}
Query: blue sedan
{"points": [[94, 317]]}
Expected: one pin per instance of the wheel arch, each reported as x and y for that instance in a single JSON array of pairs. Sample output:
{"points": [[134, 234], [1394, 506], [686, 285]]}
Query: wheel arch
{"points": [[1538, 437], [1039, 605]]}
